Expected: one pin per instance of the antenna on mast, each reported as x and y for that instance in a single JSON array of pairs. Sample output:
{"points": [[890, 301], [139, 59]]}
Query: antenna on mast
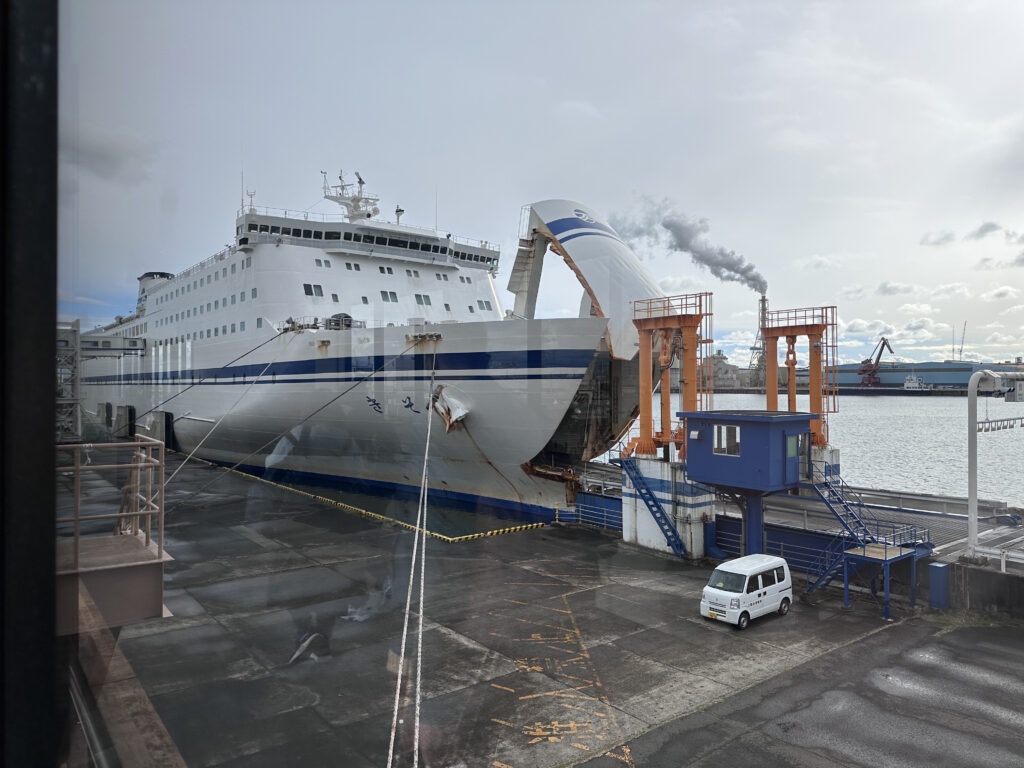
{"points": [[252, 208]]}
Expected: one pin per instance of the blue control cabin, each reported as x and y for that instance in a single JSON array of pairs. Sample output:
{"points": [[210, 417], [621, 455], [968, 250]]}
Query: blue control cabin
{"points": [[751, 452]]}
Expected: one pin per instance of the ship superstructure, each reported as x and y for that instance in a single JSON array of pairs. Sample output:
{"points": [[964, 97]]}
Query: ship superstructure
{"points": [[313, 346]]}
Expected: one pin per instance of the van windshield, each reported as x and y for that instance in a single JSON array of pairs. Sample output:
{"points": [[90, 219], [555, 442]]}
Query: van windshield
{"points": [[727, 581]]}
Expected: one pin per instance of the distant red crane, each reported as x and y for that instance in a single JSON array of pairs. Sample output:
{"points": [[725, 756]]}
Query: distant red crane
{"points": [[868, 370]]}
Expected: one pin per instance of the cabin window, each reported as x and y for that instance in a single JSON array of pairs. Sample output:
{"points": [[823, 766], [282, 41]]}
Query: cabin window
{"points": [[224, 330], [365, 300], [216, 304], [241, 296], [327, 263], [488, 304], [232, 327], [381, 270], [208, 305], [332, 235], [319, 263], [253, 295], [447, 307], [318, 290], [224, 272], [355, 267], [259, 322], [380, 240], [307, 289], [232, 269], [390, 271], [408, 273], [232, 298], [727, 440], [241, 326], [479, 304], [306, 233], [471, 310], [792, 449], [216, 332], [348, 265], [248, 261], [469, 279], [437, 275], [318, 235], [334, 298]]}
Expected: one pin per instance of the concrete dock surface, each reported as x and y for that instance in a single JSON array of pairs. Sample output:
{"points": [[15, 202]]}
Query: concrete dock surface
{"points": [[545, 647]]}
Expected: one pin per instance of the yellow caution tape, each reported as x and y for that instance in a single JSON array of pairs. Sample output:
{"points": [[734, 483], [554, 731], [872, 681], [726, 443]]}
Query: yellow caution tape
{"points": [[374, 515]]}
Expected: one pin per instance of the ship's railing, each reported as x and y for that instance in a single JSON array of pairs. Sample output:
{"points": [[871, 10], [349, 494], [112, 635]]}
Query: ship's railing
{"points": [[340, 218], [139, 467]]}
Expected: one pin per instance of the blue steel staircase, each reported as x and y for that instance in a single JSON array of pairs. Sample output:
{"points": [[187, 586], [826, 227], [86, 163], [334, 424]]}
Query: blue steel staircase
{"points": [[836, 493], [860, 528], [653, 504]]}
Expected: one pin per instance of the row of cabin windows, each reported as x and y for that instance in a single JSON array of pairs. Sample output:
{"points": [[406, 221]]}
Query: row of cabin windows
{"points": [[210, 307], [135, 330], [390, 297], [209, 333], [357, 237], [205, 280], [323, 263]]}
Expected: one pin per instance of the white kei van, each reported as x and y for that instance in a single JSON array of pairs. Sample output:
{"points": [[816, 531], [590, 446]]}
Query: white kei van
{"points": [[743, 589]]}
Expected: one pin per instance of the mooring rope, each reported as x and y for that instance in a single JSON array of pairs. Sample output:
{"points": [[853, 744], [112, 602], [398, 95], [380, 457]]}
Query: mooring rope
{"points": [[278, 436], [197, 383], [419, 549], [226, 413]]}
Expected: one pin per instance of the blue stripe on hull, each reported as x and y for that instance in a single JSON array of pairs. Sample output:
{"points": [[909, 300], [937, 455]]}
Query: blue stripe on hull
{"points": [[503, 508], [446, 361], [183, 378]]}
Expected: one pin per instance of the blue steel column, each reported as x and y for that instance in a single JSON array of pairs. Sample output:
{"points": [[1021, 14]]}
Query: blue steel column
{"points": [[846, 583], [886, 567], [913, 581], [754, 526]]}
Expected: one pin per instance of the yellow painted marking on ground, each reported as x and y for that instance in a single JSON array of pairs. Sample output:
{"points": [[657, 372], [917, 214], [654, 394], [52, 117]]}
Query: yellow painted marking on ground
{"points": [[626, 756], [496, 764], [378, 517], [502, 687], [517, 602], [533, 584], [581, 746], [502, 722], [582, 709], [558, 693]]}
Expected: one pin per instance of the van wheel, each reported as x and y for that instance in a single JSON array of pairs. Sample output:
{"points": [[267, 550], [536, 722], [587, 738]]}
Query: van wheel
{"points": [[784, 606], [743, 620]]}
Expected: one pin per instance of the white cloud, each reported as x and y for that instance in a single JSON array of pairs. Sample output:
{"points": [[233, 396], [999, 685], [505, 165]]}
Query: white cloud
{"points": [[1013, 310], [887, 288], [876, 328], [917, 309], [819, 261], [1001, 338], [853, 292], [937, 238], [1000, 293], [674, 284], [951, 291]]}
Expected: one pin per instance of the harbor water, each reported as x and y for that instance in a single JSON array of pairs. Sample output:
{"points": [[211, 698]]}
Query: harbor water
{"points": [[918, 444]]}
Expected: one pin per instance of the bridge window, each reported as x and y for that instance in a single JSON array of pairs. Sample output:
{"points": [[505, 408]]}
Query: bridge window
{"points": [[275, 230], [727, 440], [318, 235], [253, 228], [265, 228], [332, 235]]}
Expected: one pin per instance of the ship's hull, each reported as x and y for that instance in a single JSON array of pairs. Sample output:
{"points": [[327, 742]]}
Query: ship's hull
{"points": [[350, 407], [937, 375]]}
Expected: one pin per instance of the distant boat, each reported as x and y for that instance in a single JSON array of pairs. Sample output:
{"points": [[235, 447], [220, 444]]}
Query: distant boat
{"points": [[916, 384]]}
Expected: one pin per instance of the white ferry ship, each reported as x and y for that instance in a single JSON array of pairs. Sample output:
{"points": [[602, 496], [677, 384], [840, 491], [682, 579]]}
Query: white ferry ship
{"points": [[306, 351]]}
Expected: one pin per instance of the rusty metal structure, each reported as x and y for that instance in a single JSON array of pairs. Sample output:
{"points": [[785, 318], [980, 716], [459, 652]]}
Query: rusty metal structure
{"points": [[678, 325], [818, 324]]}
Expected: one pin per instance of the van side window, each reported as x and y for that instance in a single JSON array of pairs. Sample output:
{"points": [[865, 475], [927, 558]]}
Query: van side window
{"points": [[780, 574], [768, 578], [752, 584]]}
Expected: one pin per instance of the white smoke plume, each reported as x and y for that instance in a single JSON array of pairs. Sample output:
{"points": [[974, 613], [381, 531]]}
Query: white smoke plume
{"points": [[659, 225]]}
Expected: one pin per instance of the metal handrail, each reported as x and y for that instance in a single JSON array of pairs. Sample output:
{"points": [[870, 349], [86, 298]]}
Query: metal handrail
{"points": [[143, 493]]}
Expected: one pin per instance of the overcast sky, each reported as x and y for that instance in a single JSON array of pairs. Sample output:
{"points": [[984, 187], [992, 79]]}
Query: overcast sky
{"points": [[867, 155]]}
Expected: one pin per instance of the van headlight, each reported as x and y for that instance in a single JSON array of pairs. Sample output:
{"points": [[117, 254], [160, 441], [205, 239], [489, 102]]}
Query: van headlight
{"points": [[734, 603]]}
